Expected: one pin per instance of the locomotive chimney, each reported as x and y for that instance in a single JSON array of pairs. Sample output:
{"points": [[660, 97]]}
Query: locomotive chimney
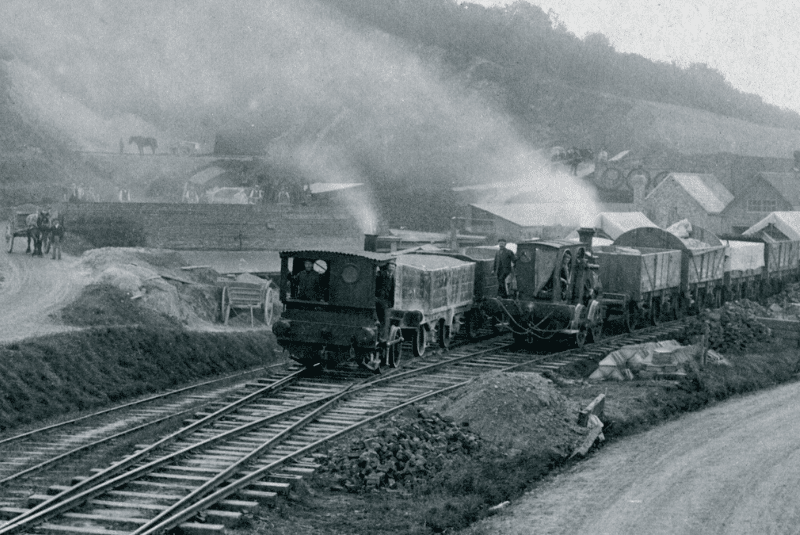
{"points": [[371, 243], [585, 235]]}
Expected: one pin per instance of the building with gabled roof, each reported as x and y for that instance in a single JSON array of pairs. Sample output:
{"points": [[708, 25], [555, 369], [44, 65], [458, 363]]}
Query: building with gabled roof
{"points": [[522, 221], [700, 198], [767, 192]]}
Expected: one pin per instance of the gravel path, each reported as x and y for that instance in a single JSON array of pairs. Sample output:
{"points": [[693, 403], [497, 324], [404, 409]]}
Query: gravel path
{"points": [[732, 469]]}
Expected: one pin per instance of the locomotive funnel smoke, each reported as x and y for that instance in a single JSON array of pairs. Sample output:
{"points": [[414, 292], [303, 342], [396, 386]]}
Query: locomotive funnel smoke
{"points": [[338, 100]]}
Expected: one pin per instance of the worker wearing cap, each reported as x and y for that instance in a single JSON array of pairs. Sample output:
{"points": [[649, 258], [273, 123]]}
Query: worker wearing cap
{"points": [[503, 266]]}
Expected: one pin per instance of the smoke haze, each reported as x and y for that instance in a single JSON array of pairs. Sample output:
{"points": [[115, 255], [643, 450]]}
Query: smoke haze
{"points": [[291, 78]]}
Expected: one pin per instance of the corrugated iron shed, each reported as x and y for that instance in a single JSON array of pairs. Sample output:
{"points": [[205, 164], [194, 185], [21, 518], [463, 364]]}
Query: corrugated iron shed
{"points": [[534, 214]]}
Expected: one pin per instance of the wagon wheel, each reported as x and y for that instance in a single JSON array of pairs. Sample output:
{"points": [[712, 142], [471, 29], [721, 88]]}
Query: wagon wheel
{"points": [[473, 323], [419, 341], [268, 308], [629, 317], [580, 337], [394, 353], [655, 311], [445, 333]]}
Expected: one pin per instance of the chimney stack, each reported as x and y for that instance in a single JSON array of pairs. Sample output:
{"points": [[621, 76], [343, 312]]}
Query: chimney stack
{"points": [[371, 243], [585, 235]]}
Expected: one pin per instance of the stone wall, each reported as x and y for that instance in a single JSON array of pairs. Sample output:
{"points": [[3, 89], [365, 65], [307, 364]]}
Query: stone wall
{"points": [[212, 226]]}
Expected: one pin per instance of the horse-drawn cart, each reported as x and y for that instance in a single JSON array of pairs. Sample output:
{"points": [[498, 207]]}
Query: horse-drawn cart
{"points": [[22, 221]]}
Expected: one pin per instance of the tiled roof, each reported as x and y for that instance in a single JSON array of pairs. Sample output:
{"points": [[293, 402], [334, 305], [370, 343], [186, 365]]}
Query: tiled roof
{"points": [[787, 184]]}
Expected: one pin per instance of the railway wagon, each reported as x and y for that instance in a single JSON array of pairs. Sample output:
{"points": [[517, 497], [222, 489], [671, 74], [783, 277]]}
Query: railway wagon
{"points": [[332, 316], [745, 268], [433, 295], [778, 231], [702, 262], [639, 283], [555, 298]]}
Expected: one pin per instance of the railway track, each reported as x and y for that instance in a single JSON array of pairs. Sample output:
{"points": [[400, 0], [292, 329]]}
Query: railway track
{"points": [[60, 449], [238, 455]]}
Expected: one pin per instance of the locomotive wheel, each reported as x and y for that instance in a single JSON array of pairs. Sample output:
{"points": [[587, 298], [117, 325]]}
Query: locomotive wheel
{"points": [[394, 353], [419, 341]]}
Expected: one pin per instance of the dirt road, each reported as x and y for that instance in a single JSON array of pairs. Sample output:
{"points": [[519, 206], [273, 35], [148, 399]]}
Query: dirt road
{"points": [[34, 288], [732, 469]]}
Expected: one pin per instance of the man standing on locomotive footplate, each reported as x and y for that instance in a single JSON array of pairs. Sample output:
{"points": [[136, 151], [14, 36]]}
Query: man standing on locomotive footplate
{"points": [[503, 266]]}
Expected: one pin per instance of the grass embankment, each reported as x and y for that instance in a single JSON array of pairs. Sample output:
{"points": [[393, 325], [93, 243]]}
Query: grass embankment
{"points": [[127, 351]]}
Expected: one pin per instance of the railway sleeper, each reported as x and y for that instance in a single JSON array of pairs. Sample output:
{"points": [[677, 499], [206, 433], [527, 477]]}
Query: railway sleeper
{"points": [[188, 528], [214, 516]]}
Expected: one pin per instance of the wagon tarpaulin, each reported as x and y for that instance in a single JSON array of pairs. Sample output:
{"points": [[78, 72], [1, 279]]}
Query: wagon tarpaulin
{"points": [[430, 283]]}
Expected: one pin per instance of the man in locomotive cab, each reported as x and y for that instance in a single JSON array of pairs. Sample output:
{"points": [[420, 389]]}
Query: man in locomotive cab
{"points": [[384, 292], [309, 285]]}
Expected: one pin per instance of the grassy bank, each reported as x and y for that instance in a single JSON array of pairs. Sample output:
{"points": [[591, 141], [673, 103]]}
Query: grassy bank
{"points": [[54, 375]]}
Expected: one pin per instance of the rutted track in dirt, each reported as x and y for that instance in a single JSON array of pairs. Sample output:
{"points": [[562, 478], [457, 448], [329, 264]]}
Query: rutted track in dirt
{"points": [[241, 455], [32, 289]]}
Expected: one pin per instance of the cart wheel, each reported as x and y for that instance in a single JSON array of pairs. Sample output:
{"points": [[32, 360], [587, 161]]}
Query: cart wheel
{"points": [[223, 315], [419, 341], [268, 308], [395, 351]]}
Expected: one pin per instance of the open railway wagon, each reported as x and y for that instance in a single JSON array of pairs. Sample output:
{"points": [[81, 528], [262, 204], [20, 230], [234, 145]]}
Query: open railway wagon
{"points": [[436, 295], [556, 287], [638, 283], [339, 323], [778, 233], [702, 268]]}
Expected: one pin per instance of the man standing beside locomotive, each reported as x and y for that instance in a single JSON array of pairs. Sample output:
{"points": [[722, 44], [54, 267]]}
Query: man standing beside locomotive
{"points": [[503, 267]]}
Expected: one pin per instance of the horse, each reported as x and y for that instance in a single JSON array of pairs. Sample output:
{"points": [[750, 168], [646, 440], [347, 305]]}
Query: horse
{"points": [[38, 227], [142, 142]]}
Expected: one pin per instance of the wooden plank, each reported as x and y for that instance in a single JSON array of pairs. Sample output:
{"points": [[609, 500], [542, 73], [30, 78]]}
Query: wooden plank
{"points": [[596, 407]]}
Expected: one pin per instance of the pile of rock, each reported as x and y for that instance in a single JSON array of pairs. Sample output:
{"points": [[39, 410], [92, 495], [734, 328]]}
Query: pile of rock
{"points": [[399, 453], [733, 327]]}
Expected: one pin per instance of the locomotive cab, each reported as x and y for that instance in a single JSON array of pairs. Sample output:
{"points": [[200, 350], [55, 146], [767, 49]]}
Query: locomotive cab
{"points": [[556, 290], [332, 312]]}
